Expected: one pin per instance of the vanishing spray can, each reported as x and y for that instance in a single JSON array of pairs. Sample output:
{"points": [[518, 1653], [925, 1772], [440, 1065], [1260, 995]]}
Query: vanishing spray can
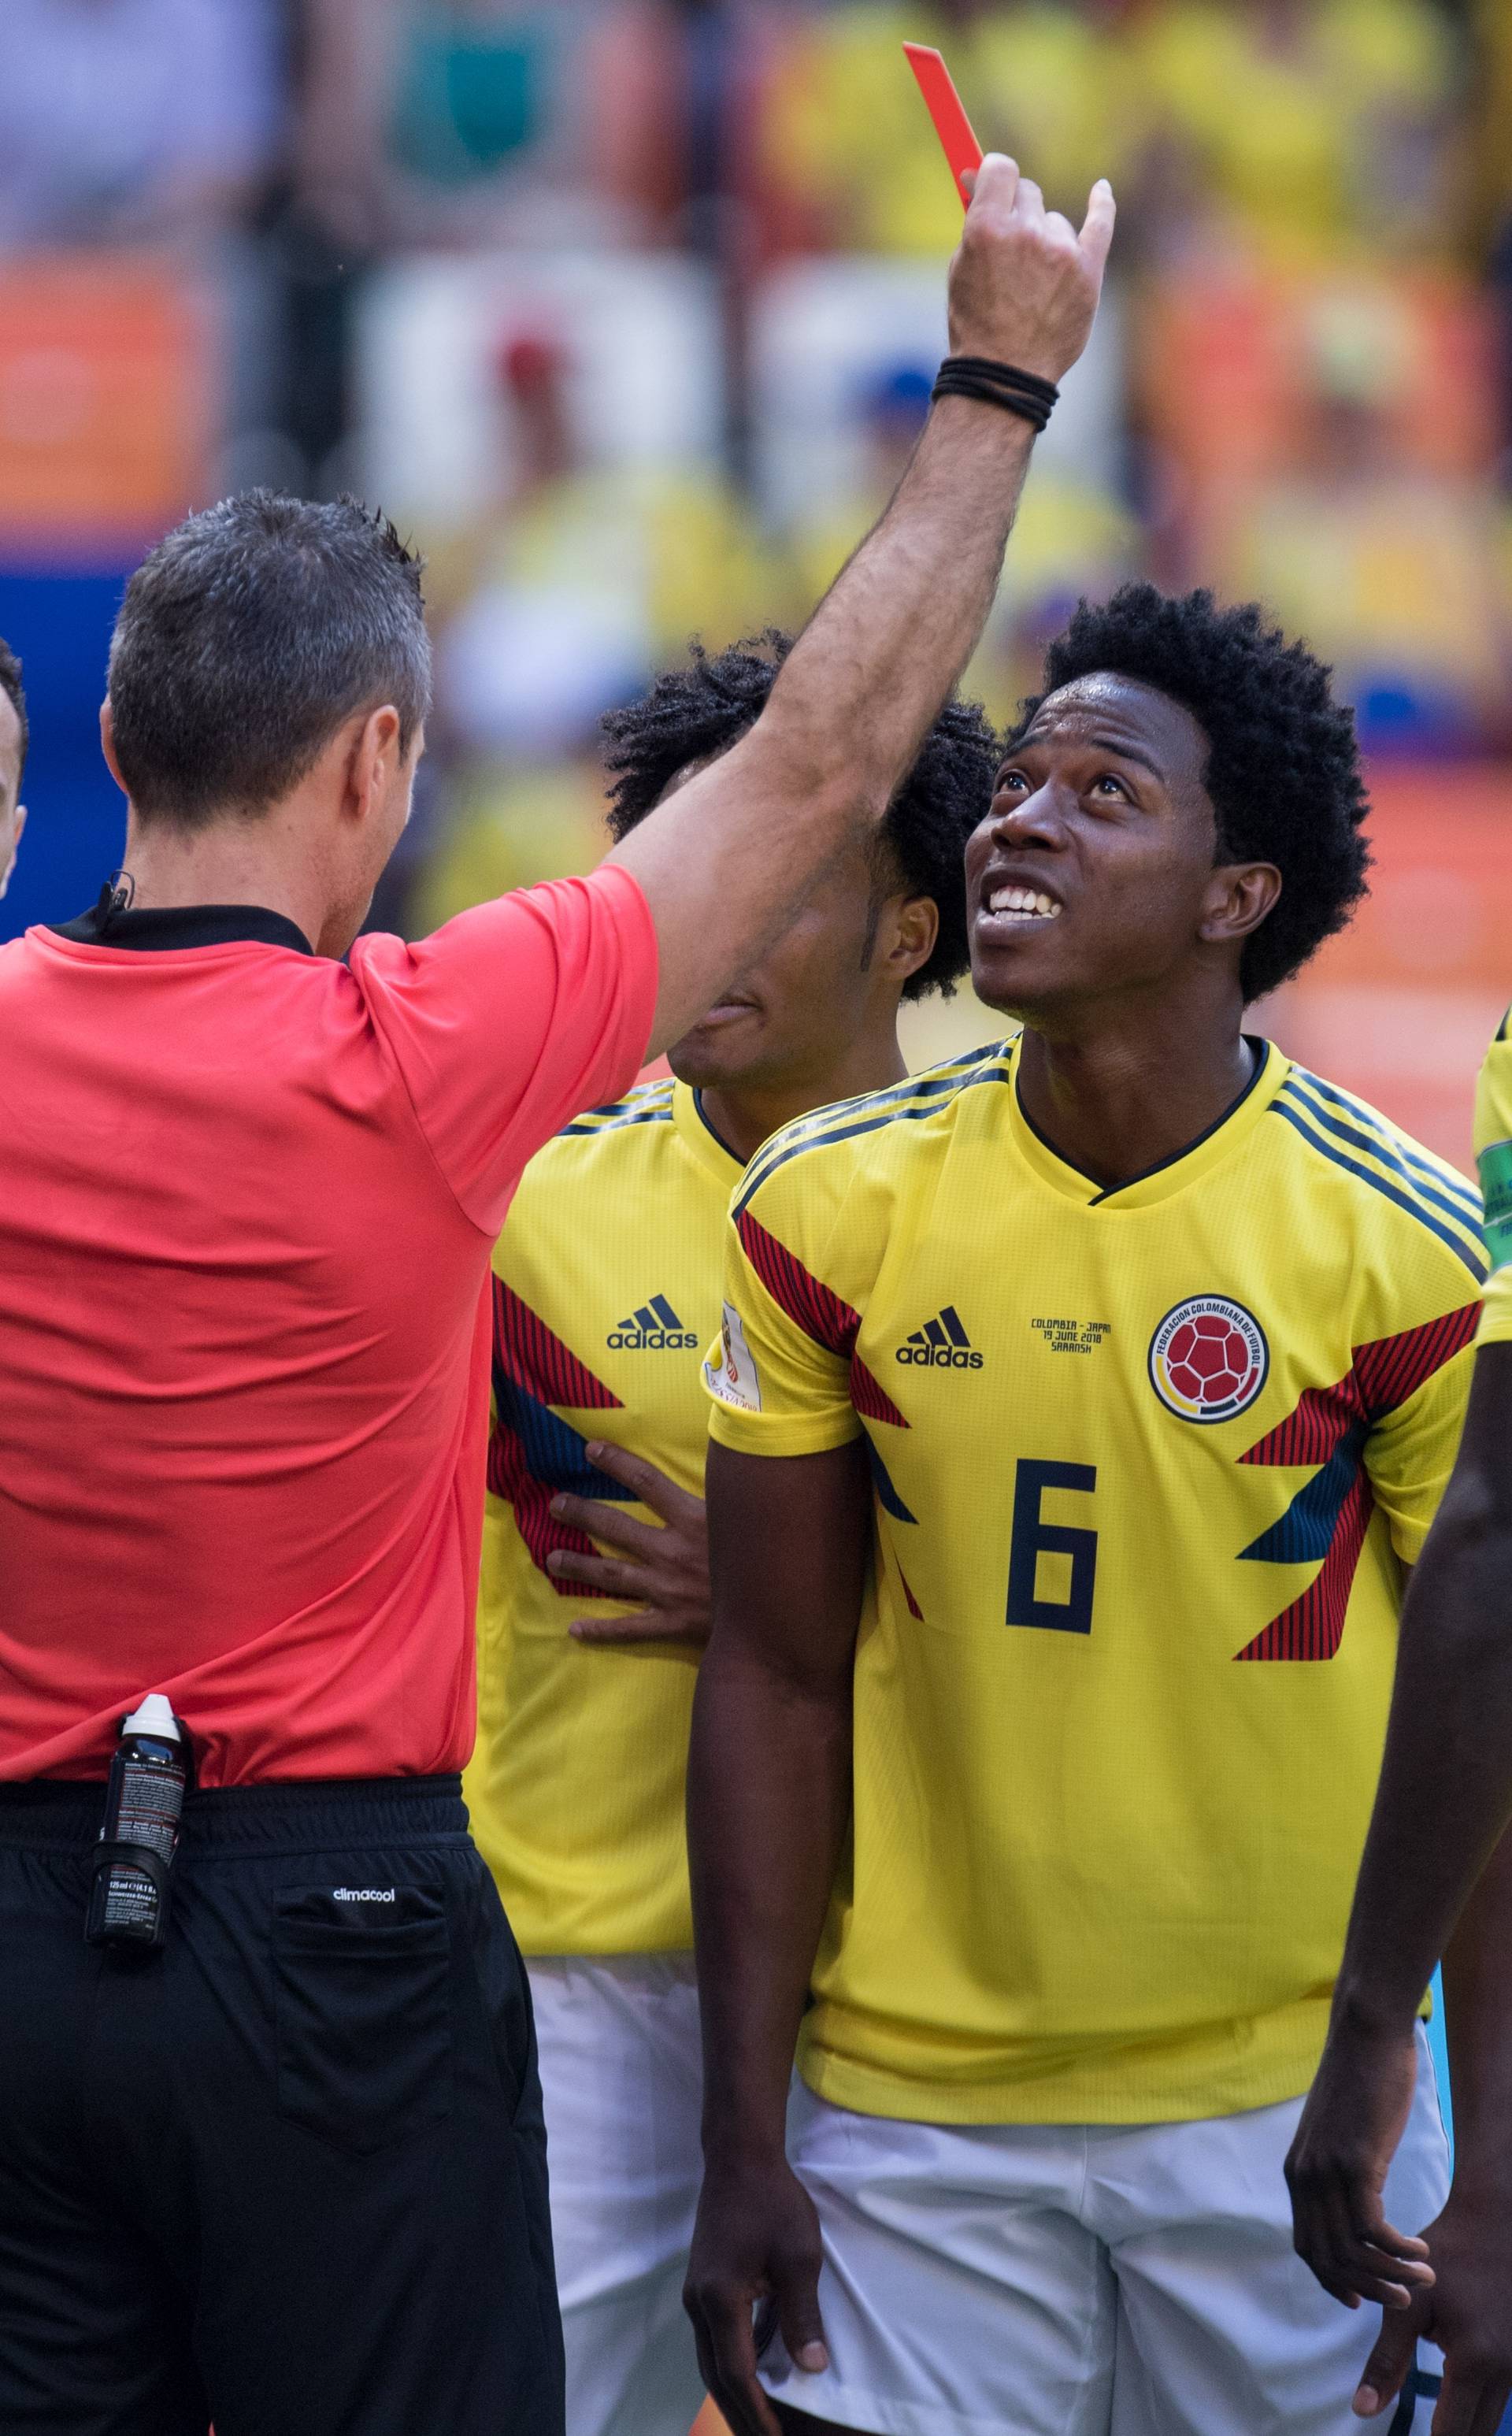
{"points": [[149, 1775]]}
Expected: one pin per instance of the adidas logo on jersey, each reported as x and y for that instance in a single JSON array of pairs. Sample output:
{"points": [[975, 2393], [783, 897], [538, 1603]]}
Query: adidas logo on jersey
{"points": [[653, 1329], [942, 1344]]}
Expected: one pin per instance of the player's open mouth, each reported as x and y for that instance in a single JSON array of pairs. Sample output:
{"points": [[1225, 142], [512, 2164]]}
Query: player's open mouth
{"points": [[1023, 905]]}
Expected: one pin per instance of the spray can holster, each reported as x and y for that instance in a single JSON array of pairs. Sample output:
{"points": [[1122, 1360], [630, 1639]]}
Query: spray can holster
{"points": [[131, 1882]]}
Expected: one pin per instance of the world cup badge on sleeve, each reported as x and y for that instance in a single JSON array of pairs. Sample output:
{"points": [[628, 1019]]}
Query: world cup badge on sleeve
{"points": [[733, 1376]]}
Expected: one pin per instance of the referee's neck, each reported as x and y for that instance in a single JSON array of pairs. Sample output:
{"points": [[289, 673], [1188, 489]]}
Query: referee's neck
{"points": [[231, 862]]}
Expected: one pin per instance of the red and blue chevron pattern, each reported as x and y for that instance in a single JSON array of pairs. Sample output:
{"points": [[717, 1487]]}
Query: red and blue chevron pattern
{"points": [[1328, 1517], [820, 1313], [532, 1454]]}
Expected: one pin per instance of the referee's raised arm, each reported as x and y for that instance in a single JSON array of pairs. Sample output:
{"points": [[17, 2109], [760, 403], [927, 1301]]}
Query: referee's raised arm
{"points": [[270, 2141], [867, 677]]}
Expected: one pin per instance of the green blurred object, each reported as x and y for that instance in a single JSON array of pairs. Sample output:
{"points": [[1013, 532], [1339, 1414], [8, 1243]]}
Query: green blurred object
{"points": [[468, 97]]}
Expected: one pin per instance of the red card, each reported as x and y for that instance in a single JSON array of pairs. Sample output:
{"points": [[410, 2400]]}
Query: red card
{"points": [[944, 104]]}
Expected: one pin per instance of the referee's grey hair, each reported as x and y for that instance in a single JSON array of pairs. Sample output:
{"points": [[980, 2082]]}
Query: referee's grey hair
{"points": [[246, 637]]}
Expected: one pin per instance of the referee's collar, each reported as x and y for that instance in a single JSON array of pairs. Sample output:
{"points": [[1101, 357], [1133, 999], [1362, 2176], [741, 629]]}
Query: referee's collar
{"points": [[110, 925]]}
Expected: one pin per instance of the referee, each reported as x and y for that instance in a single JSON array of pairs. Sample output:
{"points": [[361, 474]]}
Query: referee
{"points": [[288, 2172]]}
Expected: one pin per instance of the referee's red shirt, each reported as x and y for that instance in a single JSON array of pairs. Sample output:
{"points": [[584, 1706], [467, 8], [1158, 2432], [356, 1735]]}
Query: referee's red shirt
{"points": [[247, 1200]]}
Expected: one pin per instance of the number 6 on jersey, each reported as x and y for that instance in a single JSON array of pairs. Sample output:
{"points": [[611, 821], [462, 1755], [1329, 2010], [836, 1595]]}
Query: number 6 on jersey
{"points": [[1033, 1538]]}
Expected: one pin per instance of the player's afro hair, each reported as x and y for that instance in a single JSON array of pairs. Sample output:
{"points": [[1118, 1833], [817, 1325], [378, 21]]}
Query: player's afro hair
{"points": [[1283, 764], [694, 712]]}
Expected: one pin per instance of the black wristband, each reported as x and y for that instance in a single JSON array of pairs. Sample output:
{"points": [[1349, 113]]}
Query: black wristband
{"points": [[1005, 376], [954, 382]]}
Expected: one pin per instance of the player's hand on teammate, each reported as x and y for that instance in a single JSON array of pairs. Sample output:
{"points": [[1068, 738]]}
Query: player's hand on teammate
{"points": [[664, 1564], [1467, 2312], [755, 2247], [1024, 285], [1353, 2120]]}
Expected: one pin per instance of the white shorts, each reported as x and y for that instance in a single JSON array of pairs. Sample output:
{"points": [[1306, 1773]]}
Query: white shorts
{"points": [[622, 2080], [1035, 2280]]}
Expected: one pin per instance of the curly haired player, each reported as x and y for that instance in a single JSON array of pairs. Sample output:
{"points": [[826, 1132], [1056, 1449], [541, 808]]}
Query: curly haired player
{"points": [[1042, 1714], [595, 1593]]}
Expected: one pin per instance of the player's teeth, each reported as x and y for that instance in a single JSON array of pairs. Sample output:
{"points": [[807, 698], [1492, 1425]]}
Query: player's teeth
{"points": [[1023, 900]]}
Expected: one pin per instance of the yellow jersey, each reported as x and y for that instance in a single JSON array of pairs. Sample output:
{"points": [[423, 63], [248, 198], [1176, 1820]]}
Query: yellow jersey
{"points": [[606, 1285], [1145, 1461], [1493, 1155]]}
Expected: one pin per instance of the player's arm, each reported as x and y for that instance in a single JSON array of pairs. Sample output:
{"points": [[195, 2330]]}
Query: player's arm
{"points": [[1443, 1806], [725, 861], [1468, 2309], [769, 1772], [767, 1802]]}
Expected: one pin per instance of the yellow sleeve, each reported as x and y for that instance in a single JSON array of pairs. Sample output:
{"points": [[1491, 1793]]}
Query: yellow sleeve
{"points": [[779, 1377], [1410, 1454], [1493, 1151]]}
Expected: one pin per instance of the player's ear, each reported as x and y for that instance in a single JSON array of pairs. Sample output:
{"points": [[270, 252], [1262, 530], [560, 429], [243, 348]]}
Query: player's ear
{"points": [[912, 927], [1238, 897], [372, 743], [10, 844], [107, 744]]}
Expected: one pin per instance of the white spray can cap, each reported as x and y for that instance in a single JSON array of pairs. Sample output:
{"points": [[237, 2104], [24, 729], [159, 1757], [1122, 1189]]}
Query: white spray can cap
{"points": [[154, 1714]]}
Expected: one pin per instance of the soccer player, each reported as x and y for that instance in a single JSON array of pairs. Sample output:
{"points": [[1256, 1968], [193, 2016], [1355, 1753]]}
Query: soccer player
{"points": [[12, 761], [607, 1286], [1436, 1880], [1078, 1408]]}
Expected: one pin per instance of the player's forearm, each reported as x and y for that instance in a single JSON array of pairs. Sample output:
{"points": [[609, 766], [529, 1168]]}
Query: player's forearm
{"points": [[845, 719], [866, 679], [769, 1768], [858, 695], [1441, 1809], [1446, 1784], [768, 1799], [728, 859], [1478, 2025]]}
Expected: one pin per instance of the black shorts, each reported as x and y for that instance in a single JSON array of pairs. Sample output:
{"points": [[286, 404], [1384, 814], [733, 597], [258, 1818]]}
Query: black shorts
{"points": [[288, 2175]]}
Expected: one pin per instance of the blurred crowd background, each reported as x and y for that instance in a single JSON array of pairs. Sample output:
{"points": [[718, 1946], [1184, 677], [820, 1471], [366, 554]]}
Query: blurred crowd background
{"points": [[627, 310]]}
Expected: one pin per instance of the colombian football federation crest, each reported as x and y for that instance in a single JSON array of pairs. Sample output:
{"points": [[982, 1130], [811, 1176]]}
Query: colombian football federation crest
{"points": [[1208, 1359]]}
